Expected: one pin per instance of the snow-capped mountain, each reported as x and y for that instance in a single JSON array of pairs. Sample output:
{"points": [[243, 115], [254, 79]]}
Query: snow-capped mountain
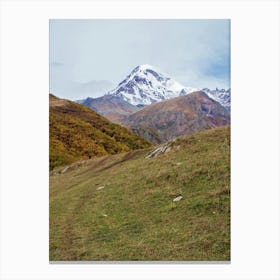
{"points": [[220, 95], [146, 85]]}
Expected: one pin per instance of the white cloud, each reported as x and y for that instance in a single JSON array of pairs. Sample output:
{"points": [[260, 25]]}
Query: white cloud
{"points": [[195, 52]]}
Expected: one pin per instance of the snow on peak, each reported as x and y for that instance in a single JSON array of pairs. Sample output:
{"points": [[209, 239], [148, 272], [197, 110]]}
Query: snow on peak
{"points": [[220, 95], [146, 85], [147, 66]]}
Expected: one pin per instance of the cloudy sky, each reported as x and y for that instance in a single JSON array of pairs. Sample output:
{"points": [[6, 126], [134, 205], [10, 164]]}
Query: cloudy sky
{"points": [[90, 57]]}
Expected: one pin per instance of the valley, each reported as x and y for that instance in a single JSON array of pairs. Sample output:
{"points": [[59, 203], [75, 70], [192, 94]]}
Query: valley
{"points": [[141, 173]]}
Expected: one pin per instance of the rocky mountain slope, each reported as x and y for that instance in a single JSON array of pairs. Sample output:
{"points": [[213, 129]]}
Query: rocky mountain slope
{"points": [[182, 115], [112, 107], [77, 132]]}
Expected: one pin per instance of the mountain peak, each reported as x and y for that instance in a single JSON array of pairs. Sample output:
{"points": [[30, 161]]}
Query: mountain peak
{"points": [[146, 85], [220, 95], [144, 67]]}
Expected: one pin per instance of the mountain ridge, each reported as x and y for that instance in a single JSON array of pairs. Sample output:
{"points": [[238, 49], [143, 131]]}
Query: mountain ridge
{"points": [[220, 95], [183, 115], [112, 107], [146, 85]]}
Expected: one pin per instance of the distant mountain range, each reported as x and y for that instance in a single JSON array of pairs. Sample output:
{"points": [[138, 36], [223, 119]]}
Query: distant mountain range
{"points": [[144, 86], [147, 102]]}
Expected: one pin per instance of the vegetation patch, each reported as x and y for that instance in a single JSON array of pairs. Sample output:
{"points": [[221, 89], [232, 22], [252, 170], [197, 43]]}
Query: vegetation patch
{"points": [[77, 133], [133, 216]]}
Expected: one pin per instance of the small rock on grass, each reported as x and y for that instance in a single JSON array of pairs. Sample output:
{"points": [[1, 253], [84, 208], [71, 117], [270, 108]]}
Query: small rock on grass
{"points": [[178, 198], [100, 188], [64, 170]]}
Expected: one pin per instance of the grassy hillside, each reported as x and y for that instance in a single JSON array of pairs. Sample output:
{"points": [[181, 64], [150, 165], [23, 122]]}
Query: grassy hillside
{"points": [[77, 132], [121, 207]]}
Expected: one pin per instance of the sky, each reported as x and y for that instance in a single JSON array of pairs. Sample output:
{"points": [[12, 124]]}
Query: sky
{"points": [[91, 57]]}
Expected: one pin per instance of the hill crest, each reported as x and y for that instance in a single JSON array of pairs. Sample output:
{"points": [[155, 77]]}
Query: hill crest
{"points": [[77, 132]]}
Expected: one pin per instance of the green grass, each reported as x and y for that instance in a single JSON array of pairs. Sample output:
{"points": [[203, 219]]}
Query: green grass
{"points": [[134, 217]]}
